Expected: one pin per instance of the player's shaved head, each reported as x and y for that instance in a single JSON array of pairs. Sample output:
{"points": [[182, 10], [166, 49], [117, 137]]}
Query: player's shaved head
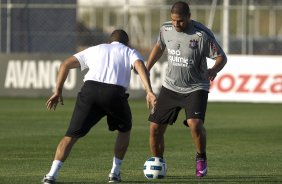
{"points": [[120, 35], [180, 8]]}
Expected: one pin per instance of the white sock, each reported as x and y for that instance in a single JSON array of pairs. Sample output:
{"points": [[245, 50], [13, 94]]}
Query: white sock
{"points": [[116, 165], [56, 165]]}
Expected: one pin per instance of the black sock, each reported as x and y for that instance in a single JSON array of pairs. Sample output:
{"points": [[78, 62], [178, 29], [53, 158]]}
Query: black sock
{"points": [[201, 156]]}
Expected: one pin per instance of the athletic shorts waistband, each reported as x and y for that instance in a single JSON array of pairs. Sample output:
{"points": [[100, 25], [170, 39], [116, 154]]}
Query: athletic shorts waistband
{"points": [[167, 90], [104, 85]]}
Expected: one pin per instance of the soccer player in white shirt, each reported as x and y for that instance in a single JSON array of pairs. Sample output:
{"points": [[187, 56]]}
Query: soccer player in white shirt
{"points": [[103, 94]]}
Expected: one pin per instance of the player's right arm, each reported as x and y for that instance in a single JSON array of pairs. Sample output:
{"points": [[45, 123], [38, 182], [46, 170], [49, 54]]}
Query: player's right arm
{"points": [[154, 56], [143, 73], [69, 63]]}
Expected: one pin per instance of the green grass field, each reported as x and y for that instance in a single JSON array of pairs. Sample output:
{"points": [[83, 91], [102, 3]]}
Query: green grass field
{"points": [[244, 145]]}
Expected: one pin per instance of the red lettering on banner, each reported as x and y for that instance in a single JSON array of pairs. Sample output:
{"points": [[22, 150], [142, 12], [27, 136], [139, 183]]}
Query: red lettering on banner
{"points": [[229, 78], [242, 87], [277, 86], [242, 83], [258, 87]]}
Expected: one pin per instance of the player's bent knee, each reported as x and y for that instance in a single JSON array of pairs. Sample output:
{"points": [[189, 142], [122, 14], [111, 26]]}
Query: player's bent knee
{"points": [[195, 123]]}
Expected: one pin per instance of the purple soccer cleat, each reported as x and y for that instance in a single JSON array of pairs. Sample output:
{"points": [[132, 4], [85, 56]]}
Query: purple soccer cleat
{"points": [[201, 168]]}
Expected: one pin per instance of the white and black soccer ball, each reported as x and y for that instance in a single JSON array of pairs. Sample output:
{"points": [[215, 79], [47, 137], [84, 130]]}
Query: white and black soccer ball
{"points": [[155, 168]]}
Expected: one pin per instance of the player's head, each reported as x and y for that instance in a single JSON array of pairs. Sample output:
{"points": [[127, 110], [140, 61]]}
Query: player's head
{"points": [[180, 15], [119, 35]]}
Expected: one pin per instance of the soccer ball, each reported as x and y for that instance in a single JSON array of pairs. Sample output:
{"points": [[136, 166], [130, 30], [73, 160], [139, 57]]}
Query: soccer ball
{"points": [[155, 168]]}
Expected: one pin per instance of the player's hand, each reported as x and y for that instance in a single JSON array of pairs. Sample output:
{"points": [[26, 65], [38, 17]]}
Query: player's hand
{"points": [[212, 73], [54, 100], [151, 100]]}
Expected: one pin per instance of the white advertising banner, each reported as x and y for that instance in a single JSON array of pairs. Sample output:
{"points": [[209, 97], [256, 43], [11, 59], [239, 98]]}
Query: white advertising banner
{"points": [[243, 79], [249, 79]]}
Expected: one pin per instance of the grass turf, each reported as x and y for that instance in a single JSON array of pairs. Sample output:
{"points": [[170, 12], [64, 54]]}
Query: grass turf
{"points": [[244, 145]]}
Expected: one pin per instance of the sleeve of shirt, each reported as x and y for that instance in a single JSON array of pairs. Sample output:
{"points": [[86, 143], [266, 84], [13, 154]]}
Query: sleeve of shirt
{"points": [[214, 49], [134, 57], [81, 57], [160, 40]]}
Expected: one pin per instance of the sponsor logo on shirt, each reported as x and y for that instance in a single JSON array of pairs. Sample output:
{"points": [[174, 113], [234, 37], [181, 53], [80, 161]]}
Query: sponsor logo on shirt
{"points": [[175, 58], [214, 48]]}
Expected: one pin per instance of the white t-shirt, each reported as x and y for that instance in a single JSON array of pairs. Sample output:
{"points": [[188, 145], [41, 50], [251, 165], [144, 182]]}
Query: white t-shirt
{"points": [[108, 63]]}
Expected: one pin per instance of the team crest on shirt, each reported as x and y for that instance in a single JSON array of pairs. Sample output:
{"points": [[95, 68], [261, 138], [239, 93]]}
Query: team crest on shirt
{"points": [[193, 44]]}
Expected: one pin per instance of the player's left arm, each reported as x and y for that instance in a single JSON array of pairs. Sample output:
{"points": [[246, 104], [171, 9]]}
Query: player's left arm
{"points": [[220, 62], [139, 66], [217, 53], [69, 63]]}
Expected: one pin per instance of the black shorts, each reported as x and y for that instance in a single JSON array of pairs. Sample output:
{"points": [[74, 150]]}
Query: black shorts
{"points": [[96, 100], [169, 103]]}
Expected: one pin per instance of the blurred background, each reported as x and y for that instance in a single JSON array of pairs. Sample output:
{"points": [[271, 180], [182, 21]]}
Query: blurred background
{"points": [[65, 26], [36, 35]]}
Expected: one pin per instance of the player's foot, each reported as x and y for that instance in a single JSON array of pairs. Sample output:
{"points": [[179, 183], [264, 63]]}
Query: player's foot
{"points": [[201, 168], [48, 180], [114, 178]]}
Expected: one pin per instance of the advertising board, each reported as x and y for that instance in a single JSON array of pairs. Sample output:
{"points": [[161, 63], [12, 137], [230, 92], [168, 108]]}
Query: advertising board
{"points": [[243, 79]]}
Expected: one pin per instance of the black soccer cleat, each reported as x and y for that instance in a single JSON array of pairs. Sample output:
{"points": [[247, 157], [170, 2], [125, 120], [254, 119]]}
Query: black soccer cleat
{"points": [[114, 178], [48, 180]]}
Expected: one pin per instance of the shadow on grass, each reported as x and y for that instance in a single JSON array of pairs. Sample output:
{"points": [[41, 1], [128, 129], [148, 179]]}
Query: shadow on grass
{"points": [[205, 180], [223, 179], [215, 179]]}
